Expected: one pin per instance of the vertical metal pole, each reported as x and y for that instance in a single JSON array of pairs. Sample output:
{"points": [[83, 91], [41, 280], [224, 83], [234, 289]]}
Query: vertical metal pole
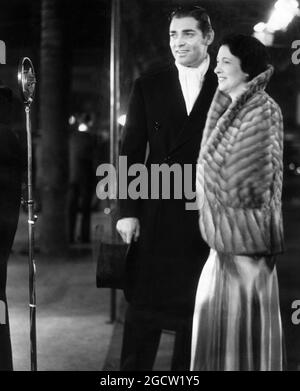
{"points": [[114, 114], [31, 223], [114, 84]]}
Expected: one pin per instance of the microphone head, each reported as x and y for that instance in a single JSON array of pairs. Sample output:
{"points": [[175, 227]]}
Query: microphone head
{"points": [[26, 80]]}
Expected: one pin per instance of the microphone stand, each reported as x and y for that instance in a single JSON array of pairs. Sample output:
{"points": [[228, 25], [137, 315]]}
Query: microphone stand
{"points": [[27, 81]]}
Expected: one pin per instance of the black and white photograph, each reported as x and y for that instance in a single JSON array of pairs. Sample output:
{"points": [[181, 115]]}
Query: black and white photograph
{"points": [[149, 188]]}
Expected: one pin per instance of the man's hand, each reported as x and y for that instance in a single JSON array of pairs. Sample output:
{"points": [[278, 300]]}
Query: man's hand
{"points": [[128, 228]]}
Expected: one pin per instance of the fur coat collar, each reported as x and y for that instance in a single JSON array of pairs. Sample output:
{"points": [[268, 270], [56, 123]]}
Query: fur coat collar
{"points": [[239, 172]]}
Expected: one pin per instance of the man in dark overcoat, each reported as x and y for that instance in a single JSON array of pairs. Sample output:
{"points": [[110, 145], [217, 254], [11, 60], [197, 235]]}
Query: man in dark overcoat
{"points": [[166, 116], [10, 197]]}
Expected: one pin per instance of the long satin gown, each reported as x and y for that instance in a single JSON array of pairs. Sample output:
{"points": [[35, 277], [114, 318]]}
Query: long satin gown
{"points": [[237, 321]]}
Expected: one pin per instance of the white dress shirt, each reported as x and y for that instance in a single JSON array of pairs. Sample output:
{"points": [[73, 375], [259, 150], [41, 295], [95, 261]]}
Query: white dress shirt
{"points": [[191, 80]]}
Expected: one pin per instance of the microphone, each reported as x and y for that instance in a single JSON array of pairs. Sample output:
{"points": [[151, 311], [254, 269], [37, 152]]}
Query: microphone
{"points": [[26, 80]]}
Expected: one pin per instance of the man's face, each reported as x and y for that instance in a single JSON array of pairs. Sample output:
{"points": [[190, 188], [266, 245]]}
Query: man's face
{"points": [[187, 43]]}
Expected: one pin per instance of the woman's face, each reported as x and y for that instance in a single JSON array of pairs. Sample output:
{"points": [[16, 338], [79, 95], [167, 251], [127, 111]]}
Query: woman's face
{"points": [[231, 78]]}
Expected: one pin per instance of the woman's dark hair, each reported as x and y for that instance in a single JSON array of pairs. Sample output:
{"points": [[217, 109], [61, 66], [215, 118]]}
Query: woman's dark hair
{"points": [[251, 52], [195, 12]]}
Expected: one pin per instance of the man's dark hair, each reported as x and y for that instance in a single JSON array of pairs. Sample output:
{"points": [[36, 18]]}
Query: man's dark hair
{"points": [[195, 12], [253, 55]]}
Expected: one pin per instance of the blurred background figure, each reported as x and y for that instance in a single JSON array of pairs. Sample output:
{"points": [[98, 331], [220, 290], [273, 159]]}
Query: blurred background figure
{"points": [[82, 178], [10, 197]]}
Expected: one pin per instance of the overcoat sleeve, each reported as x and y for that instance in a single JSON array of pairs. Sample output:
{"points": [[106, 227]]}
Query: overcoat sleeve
{"points": [[134, 144]]}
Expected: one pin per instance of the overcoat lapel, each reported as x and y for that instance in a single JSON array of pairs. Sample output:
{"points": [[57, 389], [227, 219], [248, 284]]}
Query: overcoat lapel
{"points": [[176, 95], [195, 122], [174, 105]]}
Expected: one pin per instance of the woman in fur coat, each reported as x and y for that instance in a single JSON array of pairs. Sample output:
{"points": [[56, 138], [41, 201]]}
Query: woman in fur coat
{"points": [[237, 322]]}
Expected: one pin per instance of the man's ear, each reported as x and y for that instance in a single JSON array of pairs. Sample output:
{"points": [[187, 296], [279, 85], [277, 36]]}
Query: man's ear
{"points": [[210, 37]]}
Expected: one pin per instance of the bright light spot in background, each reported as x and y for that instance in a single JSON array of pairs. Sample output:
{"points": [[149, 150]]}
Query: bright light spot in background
{"points": [[259, 27], [82, 128], [72, 120], [265, 37], [292, 4], [283, 13], [122, 119]]}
